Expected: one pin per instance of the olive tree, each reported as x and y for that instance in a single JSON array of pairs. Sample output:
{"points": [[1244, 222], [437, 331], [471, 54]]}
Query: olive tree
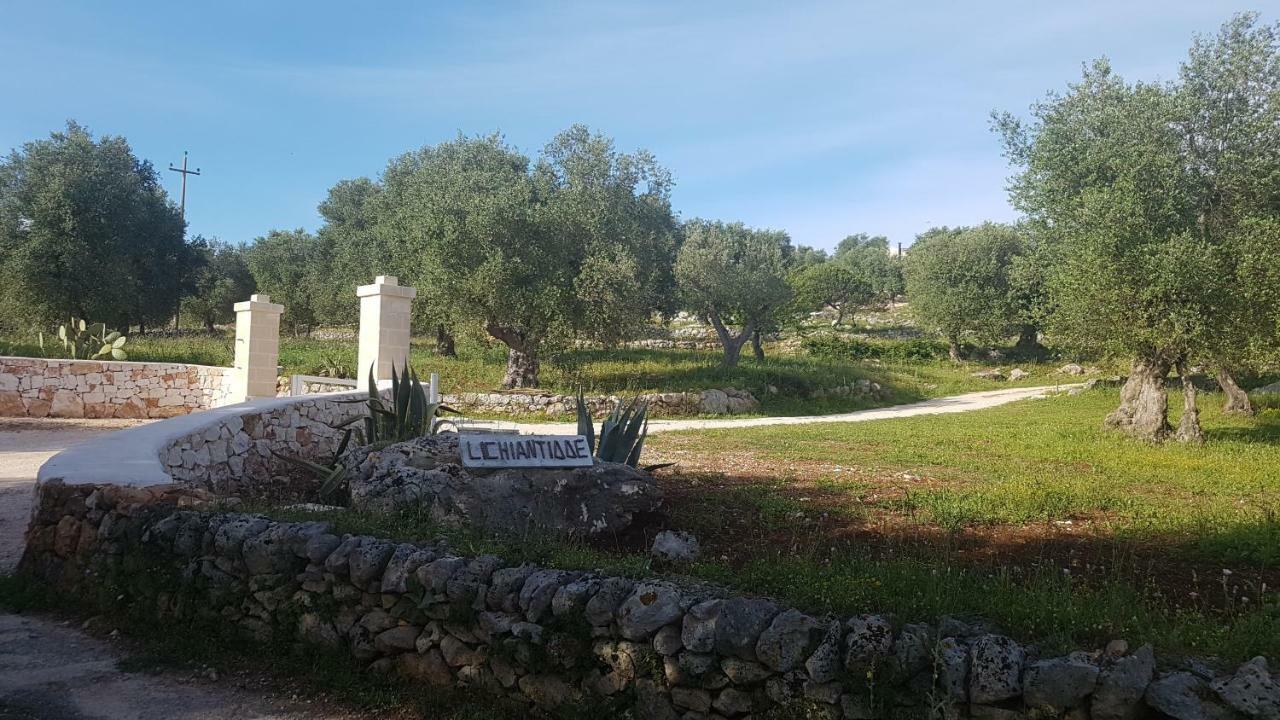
{"points": [[731, 274], [578, 244], [351, 247], [292, 266], [1229, 117], [959, 283], [1154, 196], [869, 259], [222, 281], [831, 284], [87, 230]]}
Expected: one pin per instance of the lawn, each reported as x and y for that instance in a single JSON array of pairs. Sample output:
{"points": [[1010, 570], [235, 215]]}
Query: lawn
{"points": [[1028, 515], [1044, 463], [783, 382]]}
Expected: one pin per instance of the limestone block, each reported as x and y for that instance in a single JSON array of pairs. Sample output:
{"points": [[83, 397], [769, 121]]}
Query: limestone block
{"points": [[11, 404], [66, 404]]}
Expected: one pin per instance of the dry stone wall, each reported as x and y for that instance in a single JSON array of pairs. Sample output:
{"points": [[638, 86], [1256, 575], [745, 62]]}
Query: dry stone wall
{"points": [[37, 387], [240, 454], [727, 401], [109, 516], [551, 638]]}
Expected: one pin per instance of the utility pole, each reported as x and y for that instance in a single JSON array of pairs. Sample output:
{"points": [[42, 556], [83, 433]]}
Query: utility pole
{"points": [[182, 204], [182, 208]]}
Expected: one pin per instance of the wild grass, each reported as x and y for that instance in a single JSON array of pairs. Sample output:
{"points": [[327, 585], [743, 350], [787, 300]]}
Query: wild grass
{"points": [[1041, 461], [1039, 604], [784, 382]]}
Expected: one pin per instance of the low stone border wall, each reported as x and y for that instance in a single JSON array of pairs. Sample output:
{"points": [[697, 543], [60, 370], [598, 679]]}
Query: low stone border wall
{"points": [[553, 638], [728, 401], [229, 450], [38, 387], [109, 516]]}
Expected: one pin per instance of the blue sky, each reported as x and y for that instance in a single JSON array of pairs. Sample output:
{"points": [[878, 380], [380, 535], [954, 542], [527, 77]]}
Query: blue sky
{"points": [[822, 119]]}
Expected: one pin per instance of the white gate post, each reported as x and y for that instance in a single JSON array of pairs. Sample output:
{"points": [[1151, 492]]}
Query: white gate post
{"points": [[384, 327], [257, 348]]}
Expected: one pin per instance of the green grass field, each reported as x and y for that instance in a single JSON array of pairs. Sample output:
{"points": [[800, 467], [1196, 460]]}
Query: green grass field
{"points": [[783, 382], [1029, 515], [1034, 462]]}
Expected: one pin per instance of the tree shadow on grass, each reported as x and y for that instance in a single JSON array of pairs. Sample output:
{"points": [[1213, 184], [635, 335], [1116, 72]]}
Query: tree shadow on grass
{"points": [[1260, 433], [745, 519]]}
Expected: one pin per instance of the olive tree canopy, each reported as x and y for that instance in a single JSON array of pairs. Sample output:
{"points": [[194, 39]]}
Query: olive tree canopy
{"points": [[959, 283], [731, 274], [87, 230], [579, 244], [1153, 197]]}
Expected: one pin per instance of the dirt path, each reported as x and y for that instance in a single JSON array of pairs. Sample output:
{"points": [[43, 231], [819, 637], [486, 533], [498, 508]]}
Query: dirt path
{"points": [[937, 406]]}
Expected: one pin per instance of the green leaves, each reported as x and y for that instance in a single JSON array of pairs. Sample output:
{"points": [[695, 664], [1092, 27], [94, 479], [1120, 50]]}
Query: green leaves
{"points": [[87, 228], [291, 266], [406, 415], [733, 274], [1146, 192], [958, 281], [80, 338], [622, 433]]}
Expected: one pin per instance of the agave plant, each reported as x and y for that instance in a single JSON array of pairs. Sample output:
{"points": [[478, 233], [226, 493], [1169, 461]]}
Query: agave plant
{"points": [[622, 433], [332, 474], [406, 415]]}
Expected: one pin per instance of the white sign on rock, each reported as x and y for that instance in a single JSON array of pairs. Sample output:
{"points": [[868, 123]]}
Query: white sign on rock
{"points": [[481, 450]]}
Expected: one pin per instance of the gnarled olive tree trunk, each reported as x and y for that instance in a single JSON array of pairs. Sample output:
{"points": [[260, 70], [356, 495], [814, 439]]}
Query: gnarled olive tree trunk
{"points": [[522, 356], [1144, 407], [1238, 401], [731, 343], [444, 342], [953, 350], [1189, 426], [1028, 344], [757, 346]]}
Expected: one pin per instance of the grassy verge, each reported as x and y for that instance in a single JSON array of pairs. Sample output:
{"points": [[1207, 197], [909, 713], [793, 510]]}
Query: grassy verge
{"points": [[1028, 514], [1033, 462], [784, 381], [328, 677], [1035, 603]]}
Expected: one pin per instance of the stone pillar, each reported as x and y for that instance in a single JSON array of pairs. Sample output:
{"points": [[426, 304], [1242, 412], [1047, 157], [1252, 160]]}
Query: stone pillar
{"points": [[384, 327], [257, 348]]}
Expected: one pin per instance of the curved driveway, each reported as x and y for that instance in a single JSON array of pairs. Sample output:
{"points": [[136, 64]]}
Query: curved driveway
{"points": [[937, 406]]}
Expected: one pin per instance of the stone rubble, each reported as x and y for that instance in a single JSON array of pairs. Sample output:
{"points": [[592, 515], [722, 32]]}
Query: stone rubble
{"points": [[675, 546]]}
